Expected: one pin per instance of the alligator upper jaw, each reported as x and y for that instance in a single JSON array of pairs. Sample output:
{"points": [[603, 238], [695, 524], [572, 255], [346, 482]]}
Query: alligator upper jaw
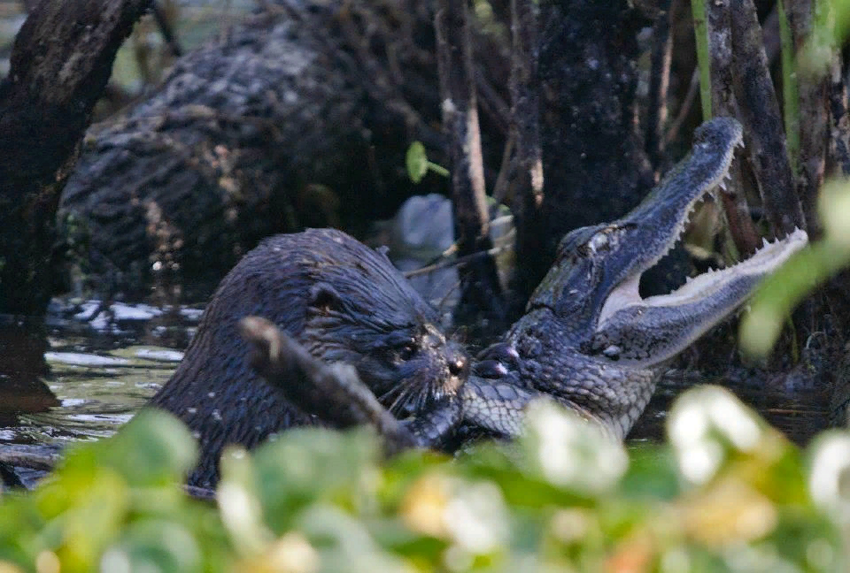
{"points": [[651, 230], [659, 327]]}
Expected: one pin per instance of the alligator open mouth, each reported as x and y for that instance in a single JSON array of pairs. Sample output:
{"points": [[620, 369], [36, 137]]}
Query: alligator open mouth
{"points": [[588, 339], [658, 327]]}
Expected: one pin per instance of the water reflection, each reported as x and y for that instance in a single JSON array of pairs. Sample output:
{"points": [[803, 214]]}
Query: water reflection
{"points": [[23, 368], [86, 369]]}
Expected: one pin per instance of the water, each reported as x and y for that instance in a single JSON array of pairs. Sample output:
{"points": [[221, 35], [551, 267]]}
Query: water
{"points": [[87, 369]]}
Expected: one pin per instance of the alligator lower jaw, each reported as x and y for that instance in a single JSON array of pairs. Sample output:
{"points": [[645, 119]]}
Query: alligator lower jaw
{"points": [[764, 261], [648, 332]]}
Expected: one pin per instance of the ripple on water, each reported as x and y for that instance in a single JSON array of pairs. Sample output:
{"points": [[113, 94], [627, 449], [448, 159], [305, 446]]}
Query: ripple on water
{"points": [[105, 362]]}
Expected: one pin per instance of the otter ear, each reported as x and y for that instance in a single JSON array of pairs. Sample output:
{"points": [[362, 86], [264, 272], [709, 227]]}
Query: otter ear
{"points": [[324, 298]]}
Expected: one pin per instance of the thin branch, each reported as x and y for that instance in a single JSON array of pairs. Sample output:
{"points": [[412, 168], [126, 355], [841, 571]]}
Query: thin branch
{"points": [[494, 252], [506, 169], [659, 80], [492, 103], [684, 109], [480, 283], [166, 30], [703, 61], [334, 393]]}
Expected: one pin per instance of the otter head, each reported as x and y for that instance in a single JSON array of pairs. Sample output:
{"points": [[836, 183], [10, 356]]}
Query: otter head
{"points": [[368, 315]]}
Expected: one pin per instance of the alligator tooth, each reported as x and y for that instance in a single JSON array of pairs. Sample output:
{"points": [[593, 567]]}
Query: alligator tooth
{"points": [[723, 185]]}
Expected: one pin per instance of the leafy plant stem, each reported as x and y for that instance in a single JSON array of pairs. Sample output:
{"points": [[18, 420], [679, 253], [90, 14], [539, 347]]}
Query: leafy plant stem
{"points": [[703, 57], [790, 95], [438, 169]]}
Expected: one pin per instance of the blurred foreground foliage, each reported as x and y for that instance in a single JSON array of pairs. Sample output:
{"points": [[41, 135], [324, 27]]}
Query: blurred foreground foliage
{"points": [[773, 303], [780, 293], [727, 494]]}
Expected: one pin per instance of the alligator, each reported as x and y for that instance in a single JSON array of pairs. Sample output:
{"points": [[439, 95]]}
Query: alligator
{"points": [[587, 338]]}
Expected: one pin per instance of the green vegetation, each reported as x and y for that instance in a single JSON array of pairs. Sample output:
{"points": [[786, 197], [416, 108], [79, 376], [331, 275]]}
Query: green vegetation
{"points": [[418, 164], [780, 293], [728, 494], [703, 56], [790, 90]]}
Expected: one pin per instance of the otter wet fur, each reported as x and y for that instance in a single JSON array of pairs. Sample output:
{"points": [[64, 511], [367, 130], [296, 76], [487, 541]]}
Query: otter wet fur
{"points": [[344, 302]]}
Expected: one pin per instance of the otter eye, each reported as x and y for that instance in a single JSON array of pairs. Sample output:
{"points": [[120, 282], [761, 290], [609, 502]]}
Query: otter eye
{"points": [[407, 351]]}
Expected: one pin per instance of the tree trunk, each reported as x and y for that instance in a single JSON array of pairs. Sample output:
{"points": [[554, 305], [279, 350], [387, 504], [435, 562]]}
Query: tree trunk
{"points": [[594, 166], [60, 63]]}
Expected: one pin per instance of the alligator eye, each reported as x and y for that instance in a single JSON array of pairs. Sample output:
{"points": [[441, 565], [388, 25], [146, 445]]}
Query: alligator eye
{"points": [[598, 242], [612, 352]]}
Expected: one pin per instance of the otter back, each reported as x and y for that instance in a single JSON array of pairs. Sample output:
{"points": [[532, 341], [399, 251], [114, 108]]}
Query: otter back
{"points": [[344, 302]]}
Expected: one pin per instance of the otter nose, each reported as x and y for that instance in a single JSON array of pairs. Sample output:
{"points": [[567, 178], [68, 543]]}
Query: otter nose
{"points": [[458, 364]]}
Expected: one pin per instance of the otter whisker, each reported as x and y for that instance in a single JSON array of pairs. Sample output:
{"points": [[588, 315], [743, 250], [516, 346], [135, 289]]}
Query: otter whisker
{"points": [[409, 394]]}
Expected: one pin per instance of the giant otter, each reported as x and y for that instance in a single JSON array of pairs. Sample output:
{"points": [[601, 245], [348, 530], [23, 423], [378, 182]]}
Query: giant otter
{"points": [[340, 299]]}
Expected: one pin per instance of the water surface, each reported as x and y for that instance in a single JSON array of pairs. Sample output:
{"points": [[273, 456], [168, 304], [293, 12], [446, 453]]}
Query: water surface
{"points": [[85, 371]]}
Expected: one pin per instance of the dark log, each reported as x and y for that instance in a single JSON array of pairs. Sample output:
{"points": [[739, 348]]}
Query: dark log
{"points": [[194, 176], [60, 63], [299, 117]]}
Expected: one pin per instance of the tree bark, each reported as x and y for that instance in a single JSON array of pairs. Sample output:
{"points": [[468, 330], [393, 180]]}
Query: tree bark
{"points": [[813, 120], [594, 164], [763, 121], [525, 128], [734, 201], [60, 63]]}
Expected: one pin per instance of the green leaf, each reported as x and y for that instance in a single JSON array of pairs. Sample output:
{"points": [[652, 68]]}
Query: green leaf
{"points": [[417, 161], [154, 545], [305, 466], [152, 448]]}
